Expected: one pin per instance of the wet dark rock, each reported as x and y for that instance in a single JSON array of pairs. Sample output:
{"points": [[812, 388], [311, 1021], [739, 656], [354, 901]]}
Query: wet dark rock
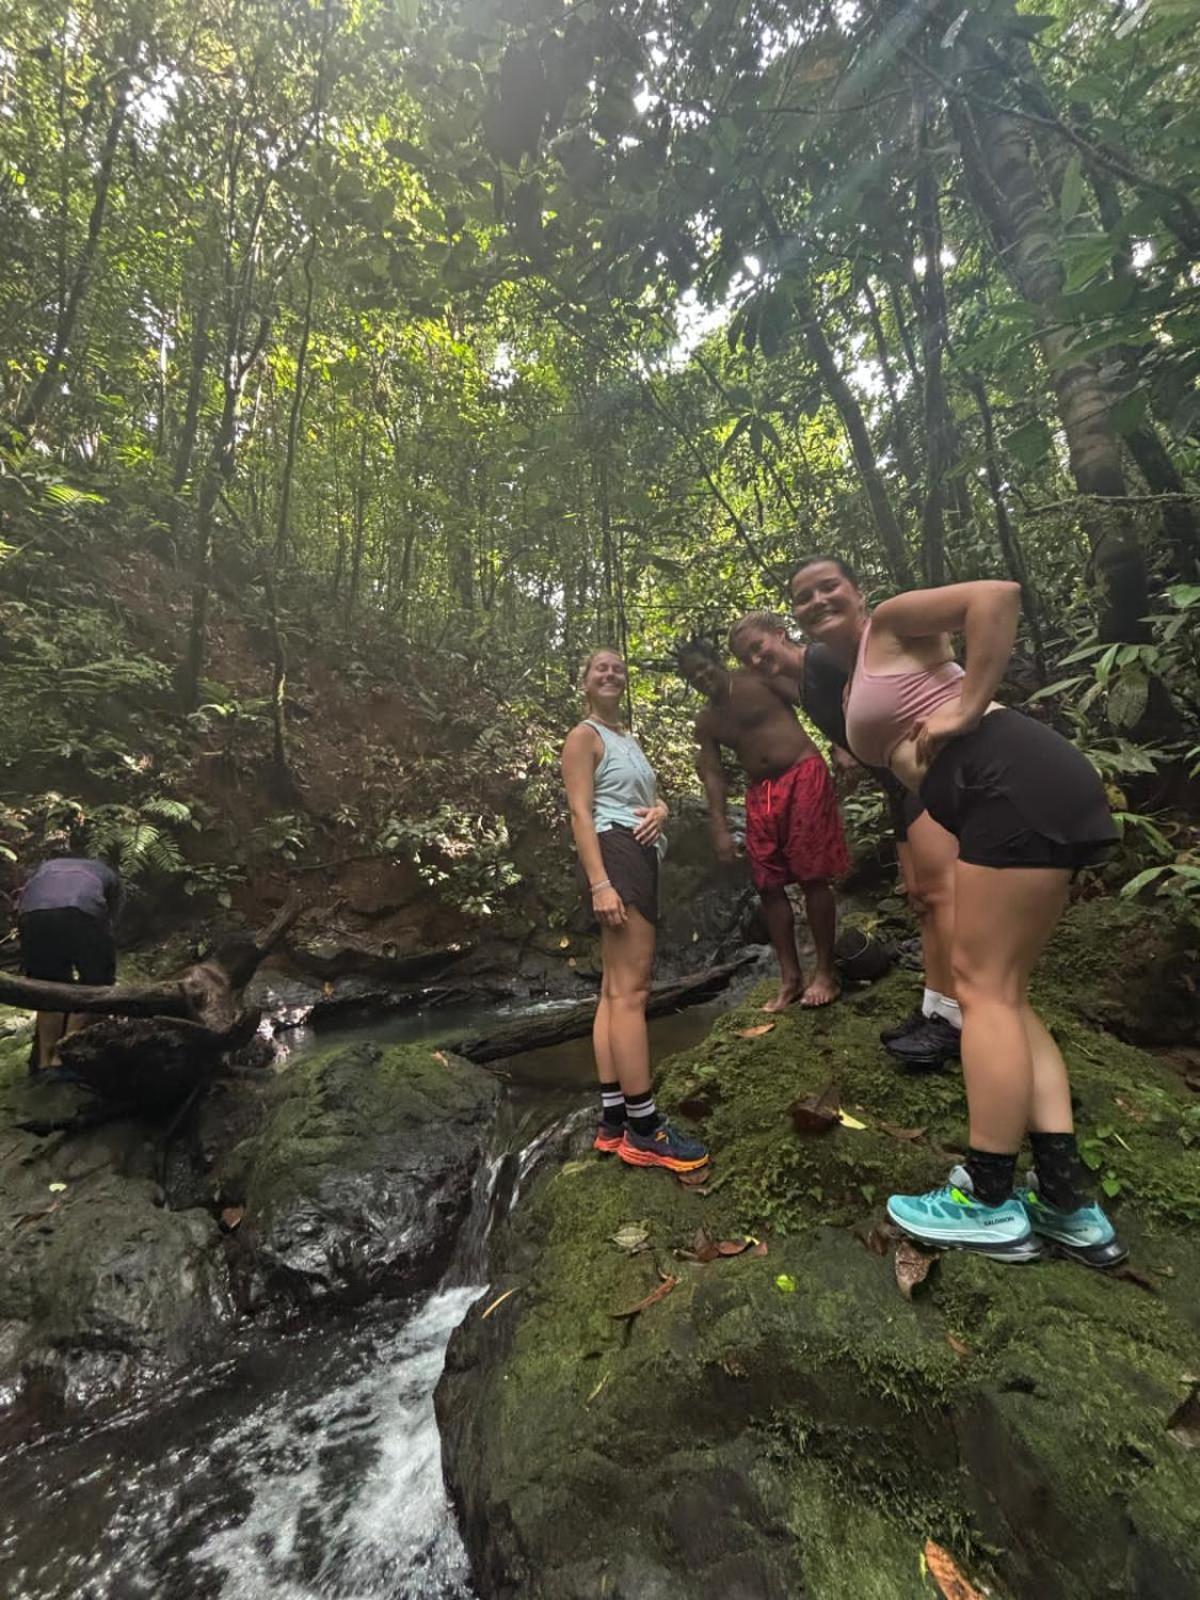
{"points": [[361, 1174], [101, 1287]]}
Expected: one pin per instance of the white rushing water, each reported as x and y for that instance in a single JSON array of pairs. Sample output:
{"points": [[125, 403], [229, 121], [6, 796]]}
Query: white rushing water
{"points": [[349, 1499]]}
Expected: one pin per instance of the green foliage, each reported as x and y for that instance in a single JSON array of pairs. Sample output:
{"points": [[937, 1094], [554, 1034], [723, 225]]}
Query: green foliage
{"points": [[464, 857], [493, 333]]}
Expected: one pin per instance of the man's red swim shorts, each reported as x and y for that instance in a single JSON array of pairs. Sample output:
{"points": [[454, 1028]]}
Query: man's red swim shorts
{"points": [[793, 828]]}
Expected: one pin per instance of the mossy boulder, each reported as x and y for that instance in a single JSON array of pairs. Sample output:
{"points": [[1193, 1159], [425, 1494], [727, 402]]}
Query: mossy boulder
{"points": [[361, 1174], [100, 1285], [789, 1424]]}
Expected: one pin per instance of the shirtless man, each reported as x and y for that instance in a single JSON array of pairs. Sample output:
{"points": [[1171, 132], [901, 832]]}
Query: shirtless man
{"points": [[793, 831], [808, 675]]}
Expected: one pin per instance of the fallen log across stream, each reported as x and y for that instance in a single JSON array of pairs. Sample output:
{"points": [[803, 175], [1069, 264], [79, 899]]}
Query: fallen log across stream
{"points": [[543, 1029], [156, 1044]]}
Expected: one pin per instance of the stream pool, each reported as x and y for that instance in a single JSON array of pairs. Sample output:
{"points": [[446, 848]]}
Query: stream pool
{"points": [[304, 1464]]}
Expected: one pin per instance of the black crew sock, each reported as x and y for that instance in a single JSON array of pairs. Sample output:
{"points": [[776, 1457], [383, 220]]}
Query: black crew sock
{"points": [[641, 1111], [991, 1175], [612, 1105], [1062, 1179]]}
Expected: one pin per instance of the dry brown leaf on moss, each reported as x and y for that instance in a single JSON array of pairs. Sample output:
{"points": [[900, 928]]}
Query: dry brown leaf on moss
{"points": [[231, 1216], [660, 1293], [912, 1266], [702, 1248], [947, 1574], [956, 1344], [37, 1216], [1132, 1274], [817, 1113], [753, 1033], [497, 1303], [906, 1135], [693, 1180], [441, 1057], [877, 1241]]}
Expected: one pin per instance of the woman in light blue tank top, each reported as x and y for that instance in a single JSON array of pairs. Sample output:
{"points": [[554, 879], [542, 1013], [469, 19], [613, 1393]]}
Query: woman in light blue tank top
{"points": [[617, 821]]}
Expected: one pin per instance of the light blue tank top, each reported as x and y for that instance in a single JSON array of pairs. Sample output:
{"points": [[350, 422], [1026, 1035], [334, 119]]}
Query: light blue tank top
{"points": [[623, 780]]}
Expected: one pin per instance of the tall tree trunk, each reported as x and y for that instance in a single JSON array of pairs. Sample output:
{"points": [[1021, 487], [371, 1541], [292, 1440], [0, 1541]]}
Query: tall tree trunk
{"points": [[931, 303], [1014, 558], [1005, 187], [1178, 518], [360, 526], [282, 527], [31, 412], [854, 422], [283, 782], [186, 448], [1145, 443], [899, 432]]}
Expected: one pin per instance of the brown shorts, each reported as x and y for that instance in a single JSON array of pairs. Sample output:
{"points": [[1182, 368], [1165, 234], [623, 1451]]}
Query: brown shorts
{"points": [[630, 867]]}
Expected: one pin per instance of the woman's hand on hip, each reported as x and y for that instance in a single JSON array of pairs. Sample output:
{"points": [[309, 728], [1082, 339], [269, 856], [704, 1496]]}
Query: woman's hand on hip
{"points": [[948, 721], [650, 828], [608, 907]]}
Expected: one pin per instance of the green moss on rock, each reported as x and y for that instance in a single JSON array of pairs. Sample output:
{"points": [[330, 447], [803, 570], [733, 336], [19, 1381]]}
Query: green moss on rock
{"points": [[362, 1170], [1017, 1415]]}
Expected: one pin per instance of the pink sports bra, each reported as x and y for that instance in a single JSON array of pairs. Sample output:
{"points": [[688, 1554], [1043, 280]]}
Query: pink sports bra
{"points": [[881, 707]]}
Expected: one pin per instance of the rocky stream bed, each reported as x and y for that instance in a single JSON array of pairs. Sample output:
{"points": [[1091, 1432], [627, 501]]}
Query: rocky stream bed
{"points": [[218, 1366]]}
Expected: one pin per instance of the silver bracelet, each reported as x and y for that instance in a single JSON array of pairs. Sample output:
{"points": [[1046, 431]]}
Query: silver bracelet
{"points": [[604, 884]]}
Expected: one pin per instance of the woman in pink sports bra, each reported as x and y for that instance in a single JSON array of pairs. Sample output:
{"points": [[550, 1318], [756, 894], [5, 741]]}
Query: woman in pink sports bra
{"points": [[1027, 811]]}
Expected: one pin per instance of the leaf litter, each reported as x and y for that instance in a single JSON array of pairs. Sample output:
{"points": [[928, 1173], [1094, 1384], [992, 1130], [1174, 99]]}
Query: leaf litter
{"points": [[755, 1032], [912, 1266], [632, 1237], [661, 1292], [705, 1248], [817, 1113], [947, 1574]]}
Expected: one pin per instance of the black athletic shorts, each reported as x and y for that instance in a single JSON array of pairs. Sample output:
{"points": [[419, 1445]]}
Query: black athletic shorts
{"points": [[65, 945], [1016, 794], [630, 867], [904, 807]]}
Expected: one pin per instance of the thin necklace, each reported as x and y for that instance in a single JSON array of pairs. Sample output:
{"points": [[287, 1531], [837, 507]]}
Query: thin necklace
{"points": [[613, 727]]}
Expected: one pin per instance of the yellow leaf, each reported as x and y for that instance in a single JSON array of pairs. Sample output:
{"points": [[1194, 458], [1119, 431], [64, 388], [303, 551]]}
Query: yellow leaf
{"points": [[847, 1121], [785, 1283], [755, 1032], [499, 1301], [564, 944], [57, 1188]]}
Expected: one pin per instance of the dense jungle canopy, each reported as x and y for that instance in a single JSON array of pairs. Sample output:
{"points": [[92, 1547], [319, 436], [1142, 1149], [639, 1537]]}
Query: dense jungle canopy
{"points": [[453, 336]]}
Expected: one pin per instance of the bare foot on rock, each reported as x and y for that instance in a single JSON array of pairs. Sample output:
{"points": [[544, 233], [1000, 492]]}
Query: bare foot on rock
{"points": [[822, 991], [788, 994]]}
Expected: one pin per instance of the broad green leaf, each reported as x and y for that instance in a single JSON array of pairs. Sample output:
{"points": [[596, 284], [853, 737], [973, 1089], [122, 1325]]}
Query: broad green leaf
{"points": [[1135, 885], [1030, 442], [1127, 699], [1072, 189]]}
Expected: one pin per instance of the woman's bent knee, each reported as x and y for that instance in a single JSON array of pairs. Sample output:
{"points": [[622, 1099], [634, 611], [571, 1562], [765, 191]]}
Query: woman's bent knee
{"points": [[631, 997], [974, 988]]}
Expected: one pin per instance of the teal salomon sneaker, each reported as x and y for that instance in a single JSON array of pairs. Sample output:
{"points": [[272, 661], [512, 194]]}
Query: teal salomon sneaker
{"points": [[951, 1218], [1085, 1234]]}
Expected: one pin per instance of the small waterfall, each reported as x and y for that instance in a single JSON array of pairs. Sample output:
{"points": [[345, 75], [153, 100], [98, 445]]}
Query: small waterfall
{"points": [[305, 1467]]}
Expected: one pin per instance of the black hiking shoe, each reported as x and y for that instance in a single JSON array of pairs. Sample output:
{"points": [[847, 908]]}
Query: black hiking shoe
{"points": [[932, 1044], [897, 1030]]}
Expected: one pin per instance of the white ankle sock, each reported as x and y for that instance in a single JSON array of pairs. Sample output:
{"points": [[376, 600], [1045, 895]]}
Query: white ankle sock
{"points": [[949, 1011], [929, 1003]]}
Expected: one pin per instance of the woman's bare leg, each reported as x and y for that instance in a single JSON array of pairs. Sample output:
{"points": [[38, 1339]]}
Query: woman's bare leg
{"points": [[628, 957], [1003, 919], [928, 861]]}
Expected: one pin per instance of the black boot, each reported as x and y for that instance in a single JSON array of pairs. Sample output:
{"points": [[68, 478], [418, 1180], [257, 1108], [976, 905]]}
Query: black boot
{"points": [[935, 1041]]}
